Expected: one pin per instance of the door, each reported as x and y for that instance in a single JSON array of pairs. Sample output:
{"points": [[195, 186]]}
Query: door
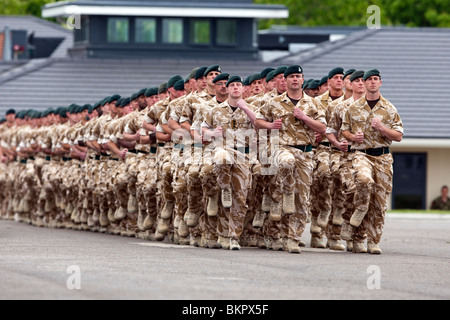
{"points": [[410, 177]]}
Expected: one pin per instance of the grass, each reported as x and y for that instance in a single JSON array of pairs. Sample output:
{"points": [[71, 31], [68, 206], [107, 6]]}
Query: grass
{"points": [[419, 211]]}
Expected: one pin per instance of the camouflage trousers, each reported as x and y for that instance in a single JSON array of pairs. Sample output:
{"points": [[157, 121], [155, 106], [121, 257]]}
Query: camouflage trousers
{"points": [[146, 187], [233, 170], [201, 185], [373, 180], [321, 198], [294, 175]]}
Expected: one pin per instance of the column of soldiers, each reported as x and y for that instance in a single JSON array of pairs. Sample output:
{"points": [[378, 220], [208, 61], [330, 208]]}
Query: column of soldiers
{"points": [[212, 161]]}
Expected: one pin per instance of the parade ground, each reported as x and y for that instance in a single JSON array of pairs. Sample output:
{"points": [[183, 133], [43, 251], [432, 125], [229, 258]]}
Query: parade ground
{"points": [[40, 263]]}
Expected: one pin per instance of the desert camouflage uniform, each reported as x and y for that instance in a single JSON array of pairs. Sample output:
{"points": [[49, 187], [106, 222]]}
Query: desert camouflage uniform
{"points": [[321, 191], [295, 167], [373, 174], [342, 173], [232, 165]]}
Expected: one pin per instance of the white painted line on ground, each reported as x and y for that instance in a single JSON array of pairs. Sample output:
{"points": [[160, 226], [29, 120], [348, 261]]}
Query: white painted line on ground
{"points": [[162, 245], [425, 216]]}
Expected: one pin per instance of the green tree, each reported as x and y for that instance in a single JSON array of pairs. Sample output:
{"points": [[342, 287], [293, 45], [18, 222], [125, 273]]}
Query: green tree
{"points": [[414, 13]]}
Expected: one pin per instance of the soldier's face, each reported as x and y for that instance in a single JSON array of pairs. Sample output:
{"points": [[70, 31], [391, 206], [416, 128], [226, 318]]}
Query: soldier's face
{"points": [[445, 192], [281, 83], [10, 118], [295, 81], [257, 87], [152, 100], [348, 84], [127, 109], [358, 86], [142, 102], [221, 87], [271, 85], [163, 96], [323, 88], [201, 83], [314, 93], [373, 84], [210, 77], [235, 90], [337, 82]]}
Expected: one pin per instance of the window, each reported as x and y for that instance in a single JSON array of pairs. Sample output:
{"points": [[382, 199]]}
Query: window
{"points": [[118, 29], [226, 32], [172, 31], [200, 32], [145, 30], [81, 35]]}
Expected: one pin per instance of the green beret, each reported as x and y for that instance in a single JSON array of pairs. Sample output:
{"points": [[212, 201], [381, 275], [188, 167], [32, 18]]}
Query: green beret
{"points": [[295, 69], [134, 96], [179, 85], [150, 92], [214, 67], [221, 77], [10, 111], [270, 76], [234, 79], [356, 75], [2, 120], [314, 85], [72, 109], [21, 115], [349, 72], [173, 80], [306, 83], [125, 102], [141, 92], [114, 98], [280, 70], [63, 112], [193, 73], [104, 101], [118, 102], [335, 71], [323, 81], [162, 88], [86, 107], [371, 73], [265, 72], [96, 105], [200, 73], [247, 81], [255, 77]]}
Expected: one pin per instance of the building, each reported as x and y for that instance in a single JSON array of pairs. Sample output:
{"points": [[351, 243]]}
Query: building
{"points": [[154, 28]]}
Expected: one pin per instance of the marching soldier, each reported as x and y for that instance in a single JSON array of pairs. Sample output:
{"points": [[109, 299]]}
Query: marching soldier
{"points": [[298, 119], [371, 124]]}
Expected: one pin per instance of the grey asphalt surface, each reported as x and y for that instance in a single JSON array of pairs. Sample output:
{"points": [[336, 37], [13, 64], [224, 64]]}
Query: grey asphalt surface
{"points": [[34, 263]]}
